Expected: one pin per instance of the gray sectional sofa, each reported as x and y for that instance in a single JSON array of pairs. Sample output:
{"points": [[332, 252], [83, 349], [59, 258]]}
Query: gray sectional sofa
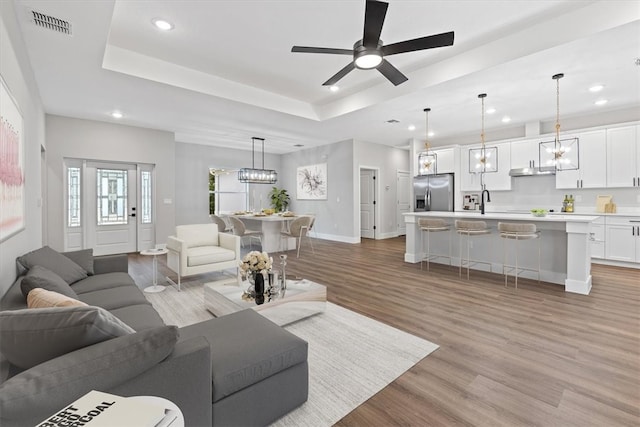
{"points": [[239, 369]]}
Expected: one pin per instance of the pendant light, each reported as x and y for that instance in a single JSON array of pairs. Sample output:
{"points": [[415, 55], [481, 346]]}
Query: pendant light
{"points": [[484, 159], [427, 160], [257, 176], [560, 154]]}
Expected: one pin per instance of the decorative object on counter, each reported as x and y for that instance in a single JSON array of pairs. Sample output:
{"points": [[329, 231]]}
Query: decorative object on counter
{"points": [[561, 154], [279, 199], [601, 203], [257, 176], [569, 204], [539, 212], [471, 202], [427, 160], [484, 159]]}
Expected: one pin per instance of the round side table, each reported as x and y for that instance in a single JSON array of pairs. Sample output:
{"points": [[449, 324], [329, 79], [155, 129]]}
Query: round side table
{"points": [[154, 252]]}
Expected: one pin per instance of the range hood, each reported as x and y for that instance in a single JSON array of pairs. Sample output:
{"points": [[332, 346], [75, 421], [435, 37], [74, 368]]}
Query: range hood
{"points": [[534, 171]]}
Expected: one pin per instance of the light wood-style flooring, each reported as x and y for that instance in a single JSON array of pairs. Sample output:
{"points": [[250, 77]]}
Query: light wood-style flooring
{"points": [[507, 357]]}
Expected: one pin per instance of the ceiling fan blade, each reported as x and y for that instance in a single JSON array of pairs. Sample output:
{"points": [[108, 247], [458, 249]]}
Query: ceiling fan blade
{"points": [[429, 42], [306, 49], [340, 74], [374, 14], [391, 73]]}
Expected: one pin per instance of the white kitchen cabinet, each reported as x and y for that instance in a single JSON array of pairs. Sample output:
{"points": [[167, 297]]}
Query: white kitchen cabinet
{"points": [[445, 160], [623, 157], [598, 238], [592, 172], [622, 241], [525, 154], [494, 181]]}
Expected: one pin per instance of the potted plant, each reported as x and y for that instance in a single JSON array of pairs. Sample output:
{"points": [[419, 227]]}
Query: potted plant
{"points": [[279, 199]]}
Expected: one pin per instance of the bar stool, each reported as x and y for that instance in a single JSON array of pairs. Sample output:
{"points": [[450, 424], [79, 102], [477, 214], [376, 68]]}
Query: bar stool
{"points": [[517, 232], [428, 226], [470, 229]]}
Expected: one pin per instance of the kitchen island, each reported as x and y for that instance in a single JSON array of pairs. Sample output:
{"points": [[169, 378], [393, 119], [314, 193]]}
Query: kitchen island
{"points": [[565, 245]]}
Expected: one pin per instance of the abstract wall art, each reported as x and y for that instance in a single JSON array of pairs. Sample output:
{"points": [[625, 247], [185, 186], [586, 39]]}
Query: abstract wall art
{"points": [[312, 182]]}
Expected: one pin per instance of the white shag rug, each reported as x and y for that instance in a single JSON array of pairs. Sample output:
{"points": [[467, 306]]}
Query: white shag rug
{"points": [[351, 357]]}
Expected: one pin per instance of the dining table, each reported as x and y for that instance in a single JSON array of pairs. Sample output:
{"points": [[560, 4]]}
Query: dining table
{"points": [[270, 226]]}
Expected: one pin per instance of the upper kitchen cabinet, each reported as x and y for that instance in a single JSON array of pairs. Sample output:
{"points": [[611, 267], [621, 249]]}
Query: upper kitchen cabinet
{"points": [[524, 154], [495, 180], [623, 157], [445, 160], [592, 172]]}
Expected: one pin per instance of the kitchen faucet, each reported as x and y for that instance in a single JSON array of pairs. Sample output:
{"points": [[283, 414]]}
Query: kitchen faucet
{"points": [[482, 200]]}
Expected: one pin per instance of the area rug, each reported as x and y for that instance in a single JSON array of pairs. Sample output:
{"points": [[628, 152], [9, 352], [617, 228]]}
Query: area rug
{"points": [[351, 357]]}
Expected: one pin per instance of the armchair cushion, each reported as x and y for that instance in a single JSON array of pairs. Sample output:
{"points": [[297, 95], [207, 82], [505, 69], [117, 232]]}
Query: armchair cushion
{"points": [[202, 255], [198, 234]]}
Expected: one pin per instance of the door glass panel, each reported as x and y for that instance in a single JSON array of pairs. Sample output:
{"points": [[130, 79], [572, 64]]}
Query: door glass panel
{"points": [[112, 196], [73, 202], [145, 177]]}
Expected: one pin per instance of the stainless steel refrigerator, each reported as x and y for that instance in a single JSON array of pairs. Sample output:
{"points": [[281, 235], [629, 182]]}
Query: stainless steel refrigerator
{"points": [[433, 192]]}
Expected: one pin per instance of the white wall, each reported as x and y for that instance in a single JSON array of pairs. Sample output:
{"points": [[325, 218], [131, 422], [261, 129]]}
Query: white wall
{"points": [[17, 74], [87, 139], [192, 164], [388, 160]]}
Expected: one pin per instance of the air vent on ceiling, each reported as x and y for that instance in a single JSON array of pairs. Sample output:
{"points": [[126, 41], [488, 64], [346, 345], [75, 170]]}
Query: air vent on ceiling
{"points": [[393, 121], [51, 23]]}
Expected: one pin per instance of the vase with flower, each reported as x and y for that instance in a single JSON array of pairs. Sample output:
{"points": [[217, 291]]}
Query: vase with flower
{"points": [[255, 266]]}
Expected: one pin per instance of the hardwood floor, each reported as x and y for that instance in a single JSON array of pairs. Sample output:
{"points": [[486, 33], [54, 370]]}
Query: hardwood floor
{"points": [[507, 357]]}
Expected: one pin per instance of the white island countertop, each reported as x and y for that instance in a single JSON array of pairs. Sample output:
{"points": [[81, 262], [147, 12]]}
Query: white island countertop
{"points": [[507, 216]]}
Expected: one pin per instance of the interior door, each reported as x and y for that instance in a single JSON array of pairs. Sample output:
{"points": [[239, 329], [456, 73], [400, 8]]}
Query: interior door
{"points": [[110, 207], [403, 190], [367, 204]]}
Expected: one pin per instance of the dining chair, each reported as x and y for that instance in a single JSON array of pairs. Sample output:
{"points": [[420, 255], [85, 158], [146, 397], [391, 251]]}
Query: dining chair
{"points": [[298, 228], [222, 224], [239, 229]]}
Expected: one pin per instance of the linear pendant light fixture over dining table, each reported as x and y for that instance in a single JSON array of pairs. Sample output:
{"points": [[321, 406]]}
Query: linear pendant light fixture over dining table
{"points": [[257, 176]]}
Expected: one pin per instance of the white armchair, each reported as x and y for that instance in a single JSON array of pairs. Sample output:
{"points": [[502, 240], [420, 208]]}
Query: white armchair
{"points": [[199, 248]]}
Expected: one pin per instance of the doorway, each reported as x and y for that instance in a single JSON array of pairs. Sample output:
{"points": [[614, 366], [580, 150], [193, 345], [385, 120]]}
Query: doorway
{"points": [[368, 202]]}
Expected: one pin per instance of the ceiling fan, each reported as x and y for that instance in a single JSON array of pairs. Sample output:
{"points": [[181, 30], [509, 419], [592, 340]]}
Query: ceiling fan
{"points": [[369, 52]]}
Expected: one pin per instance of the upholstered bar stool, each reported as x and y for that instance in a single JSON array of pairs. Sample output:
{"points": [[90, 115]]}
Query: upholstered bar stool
{"points": [[517, 232], [470, 229], [428, 226]]}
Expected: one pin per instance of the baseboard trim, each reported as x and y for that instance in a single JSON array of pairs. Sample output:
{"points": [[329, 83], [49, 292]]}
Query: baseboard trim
{"points": [[336, 238]]}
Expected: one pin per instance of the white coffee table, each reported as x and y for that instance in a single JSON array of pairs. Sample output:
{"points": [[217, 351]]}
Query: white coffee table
{"points": [[302, 298], [154, 252]]}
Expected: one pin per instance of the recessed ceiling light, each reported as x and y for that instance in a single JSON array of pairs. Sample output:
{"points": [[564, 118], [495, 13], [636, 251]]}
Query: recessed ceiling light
{"points": [[411, 127], [298, 145], [430, 133], [491, 110], [601, 102], [163, 25], [334, 88], [506, 119], [596, 88], [116, 115]]}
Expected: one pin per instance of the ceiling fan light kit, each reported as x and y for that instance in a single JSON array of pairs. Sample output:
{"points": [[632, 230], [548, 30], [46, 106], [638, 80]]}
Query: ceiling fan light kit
{"points": [[369, 52], [257, 176]]}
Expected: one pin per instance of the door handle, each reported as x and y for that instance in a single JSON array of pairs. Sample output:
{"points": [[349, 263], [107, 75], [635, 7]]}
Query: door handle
{"points": [[132, 215]]}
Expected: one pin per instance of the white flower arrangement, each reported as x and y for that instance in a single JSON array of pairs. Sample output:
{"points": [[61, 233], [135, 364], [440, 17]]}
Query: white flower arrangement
{"points": [[255, 261]]}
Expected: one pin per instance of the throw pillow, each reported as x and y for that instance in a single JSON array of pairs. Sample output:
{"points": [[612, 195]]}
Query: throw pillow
{"points": [[40, 277], [54, 261], [84, 258], [42, 298], [46, 388], [32, 336]]}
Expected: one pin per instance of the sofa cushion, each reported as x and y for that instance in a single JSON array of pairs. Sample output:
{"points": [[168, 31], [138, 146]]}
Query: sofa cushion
{"points": [[110, 299], [202, 255], [51, 385], [54, 261], [139, 317], [41, 277], [32, 336], [42, 298], [84, 258], [102, 281], [245, 349], [198, 234]]}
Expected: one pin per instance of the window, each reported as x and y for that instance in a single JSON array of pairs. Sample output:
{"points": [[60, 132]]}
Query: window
{"points": [[226, 193], [73, 195], [145, 197], [112, 196]]}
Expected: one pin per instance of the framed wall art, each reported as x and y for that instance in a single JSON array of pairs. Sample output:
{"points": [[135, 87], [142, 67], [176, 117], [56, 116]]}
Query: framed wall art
{"points": [[312, 182], [12, 193]]}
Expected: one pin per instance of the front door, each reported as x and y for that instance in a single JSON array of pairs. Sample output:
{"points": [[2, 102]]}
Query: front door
{"points": [[367, 203]]}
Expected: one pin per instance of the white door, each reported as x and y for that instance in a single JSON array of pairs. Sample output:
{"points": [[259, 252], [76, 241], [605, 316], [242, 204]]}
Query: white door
{"points": [[110, 206], [403, 190], [367, 204]]}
